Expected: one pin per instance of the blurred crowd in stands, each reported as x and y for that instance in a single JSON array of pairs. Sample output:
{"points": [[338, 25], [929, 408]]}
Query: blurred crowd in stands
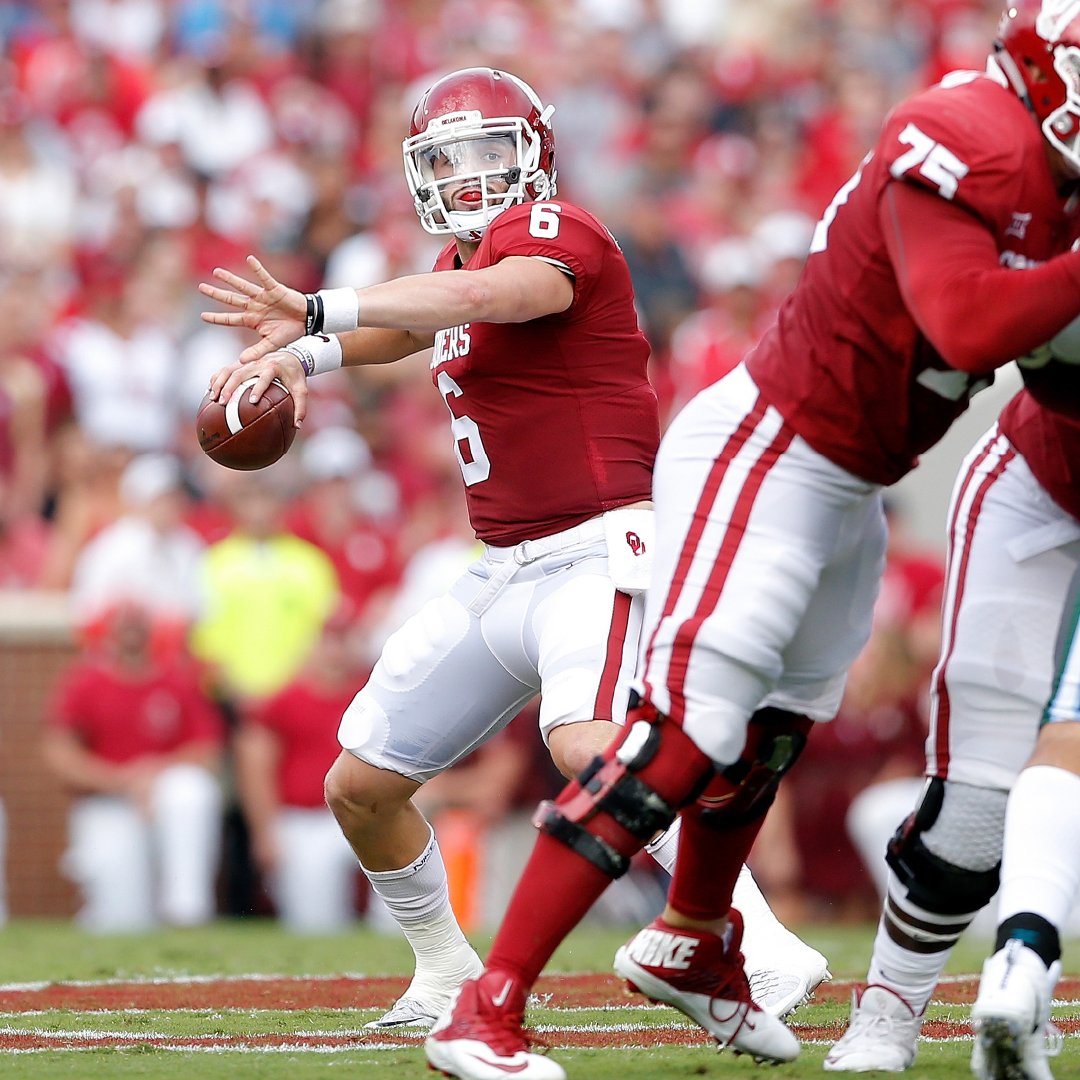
{"points": [[144, 142]]}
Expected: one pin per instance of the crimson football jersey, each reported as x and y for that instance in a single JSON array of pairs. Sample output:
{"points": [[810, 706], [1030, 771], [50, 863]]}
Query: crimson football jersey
{"points": [[554, 420], [846, 363], [1050, 443]]}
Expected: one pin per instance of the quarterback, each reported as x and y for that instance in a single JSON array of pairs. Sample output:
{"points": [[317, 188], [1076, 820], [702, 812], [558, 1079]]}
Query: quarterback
{"points": [[536, 351], [946, 255]]}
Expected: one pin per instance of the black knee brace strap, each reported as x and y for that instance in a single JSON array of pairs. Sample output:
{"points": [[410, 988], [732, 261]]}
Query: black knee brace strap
{"points": [[610, 787], [609, 813], [549, 819], [606, 786], [932, 883], [745, 789]]}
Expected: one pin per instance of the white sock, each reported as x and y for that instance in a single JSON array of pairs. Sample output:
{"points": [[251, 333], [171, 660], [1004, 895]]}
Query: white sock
{"points": [[1040, 865], [418, 897], [912, 975], [665, 847], [906, 969]]}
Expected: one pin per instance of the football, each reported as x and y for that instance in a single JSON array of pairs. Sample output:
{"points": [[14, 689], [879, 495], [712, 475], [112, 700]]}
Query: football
{"points": [[240, 435]]}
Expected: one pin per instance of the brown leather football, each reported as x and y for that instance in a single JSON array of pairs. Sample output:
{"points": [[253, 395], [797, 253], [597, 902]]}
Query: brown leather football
{"points": [[240, 435]]}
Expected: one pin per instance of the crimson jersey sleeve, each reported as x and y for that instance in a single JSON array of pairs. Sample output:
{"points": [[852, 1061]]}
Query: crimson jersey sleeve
{"points": [[557, 232], [977, 314], [943, 257], [958, 190], [934, 141]]}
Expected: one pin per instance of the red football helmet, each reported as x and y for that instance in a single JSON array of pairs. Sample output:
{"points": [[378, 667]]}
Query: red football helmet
{"points": [[481, 138], [1038, 51]]}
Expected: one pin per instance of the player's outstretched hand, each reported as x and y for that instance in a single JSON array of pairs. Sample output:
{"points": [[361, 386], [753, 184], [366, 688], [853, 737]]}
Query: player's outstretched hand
{"points": [[276, 312], [282, 366]]}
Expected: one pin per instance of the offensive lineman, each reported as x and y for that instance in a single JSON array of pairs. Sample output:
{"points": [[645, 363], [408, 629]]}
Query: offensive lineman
{"points": [[1014, 568], [1010, 604], [946, 255], [539, 358]]}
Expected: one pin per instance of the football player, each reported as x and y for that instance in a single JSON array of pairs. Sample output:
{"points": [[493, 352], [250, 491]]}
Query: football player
{"points": [[1009, 613], [945, 256], [1040, 881], [1010, 607], [537, 353]]}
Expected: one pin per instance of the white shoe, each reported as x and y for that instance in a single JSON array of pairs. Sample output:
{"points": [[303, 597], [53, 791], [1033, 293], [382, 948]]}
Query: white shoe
{"points": [[1011, 1016], [425, 999], [409, 1011], [882, 1035], [781, 986], [702, 976]]}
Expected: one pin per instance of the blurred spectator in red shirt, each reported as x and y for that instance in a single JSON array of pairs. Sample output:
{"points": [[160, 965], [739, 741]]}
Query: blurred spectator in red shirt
{"points": [[24, 544], [87, 499], [137, 745], [710, 342]]}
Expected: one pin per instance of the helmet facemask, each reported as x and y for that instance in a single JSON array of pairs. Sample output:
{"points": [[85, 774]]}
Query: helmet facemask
{"points": [[1037, 55], [493, 162], [1062, 126]]}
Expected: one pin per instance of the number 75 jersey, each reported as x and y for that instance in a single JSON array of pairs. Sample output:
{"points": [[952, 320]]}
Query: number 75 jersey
{"points": [[846, 363], [554, 420]]}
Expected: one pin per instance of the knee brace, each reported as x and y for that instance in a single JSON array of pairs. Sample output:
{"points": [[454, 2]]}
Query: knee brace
{"points": [[745, 789], [935, 881], [629, 794]]}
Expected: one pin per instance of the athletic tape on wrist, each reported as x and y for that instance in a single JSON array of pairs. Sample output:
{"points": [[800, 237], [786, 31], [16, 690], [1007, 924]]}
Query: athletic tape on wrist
{"points": [[339, 310], [317, 353]]}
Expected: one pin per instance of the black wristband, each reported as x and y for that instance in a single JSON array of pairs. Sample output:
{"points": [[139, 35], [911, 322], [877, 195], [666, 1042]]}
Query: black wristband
{"points": [[316, 314]]}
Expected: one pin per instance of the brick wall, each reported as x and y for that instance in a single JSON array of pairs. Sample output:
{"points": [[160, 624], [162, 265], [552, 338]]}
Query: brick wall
{"points": [[35, 644]]}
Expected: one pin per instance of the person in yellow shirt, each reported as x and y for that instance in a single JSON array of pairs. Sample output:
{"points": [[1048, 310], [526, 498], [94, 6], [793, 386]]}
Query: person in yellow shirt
{"points": [[268, 593]]}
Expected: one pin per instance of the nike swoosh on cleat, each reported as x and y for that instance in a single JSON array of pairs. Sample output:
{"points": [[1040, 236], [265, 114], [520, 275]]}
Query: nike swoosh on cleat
{"points": [[510, 1069]]}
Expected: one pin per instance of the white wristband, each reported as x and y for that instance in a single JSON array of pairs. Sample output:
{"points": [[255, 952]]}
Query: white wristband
{"points": [[317, 353], [341, 310]]}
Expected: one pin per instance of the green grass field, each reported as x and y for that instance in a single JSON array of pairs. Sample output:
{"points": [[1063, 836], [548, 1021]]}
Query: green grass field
{"points": [[176, 1002]]}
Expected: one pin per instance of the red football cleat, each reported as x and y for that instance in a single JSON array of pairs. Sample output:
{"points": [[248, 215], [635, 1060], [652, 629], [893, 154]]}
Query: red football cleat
{"points": [[694, 972], [481, 1035]]}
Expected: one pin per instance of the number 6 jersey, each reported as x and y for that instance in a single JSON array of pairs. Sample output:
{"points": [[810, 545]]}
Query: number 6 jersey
{"points": [[554, 420]]}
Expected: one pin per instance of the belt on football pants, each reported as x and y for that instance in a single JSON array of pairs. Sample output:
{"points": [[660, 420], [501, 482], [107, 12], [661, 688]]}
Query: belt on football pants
{"points": [[528, 551]]}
